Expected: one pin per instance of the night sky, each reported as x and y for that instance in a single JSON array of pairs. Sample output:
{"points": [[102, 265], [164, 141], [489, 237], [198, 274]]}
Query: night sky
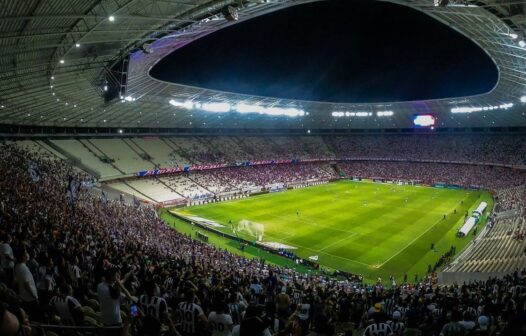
{"points": [[340, 51]]}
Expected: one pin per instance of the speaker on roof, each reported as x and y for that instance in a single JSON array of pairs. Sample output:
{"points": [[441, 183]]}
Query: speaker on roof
{"points": [[230, 13], [441, 3]]}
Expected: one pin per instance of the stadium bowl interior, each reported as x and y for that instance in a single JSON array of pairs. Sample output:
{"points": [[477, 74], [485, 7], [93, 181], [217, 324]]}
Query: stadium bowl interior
{"points": [[133, 205]]}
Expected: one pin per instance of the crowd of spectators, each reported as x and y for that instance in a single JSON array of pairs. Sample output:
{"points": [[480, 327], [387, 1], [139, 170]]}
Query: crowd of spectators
{"points": [[481, 148], [264, 176], [513, 199], [493, 178], [78, 260], [475, 148]]}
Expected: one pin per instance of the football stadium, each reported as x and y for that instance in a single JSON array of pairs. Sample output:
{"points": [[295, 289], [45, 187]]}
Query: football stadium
{"points": [[263, 167]]}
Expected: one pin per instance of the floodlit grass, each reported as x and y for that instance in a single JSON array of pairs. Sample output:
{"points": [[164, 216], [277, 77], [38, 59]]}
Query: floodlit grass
{"points": [[367, 228]]}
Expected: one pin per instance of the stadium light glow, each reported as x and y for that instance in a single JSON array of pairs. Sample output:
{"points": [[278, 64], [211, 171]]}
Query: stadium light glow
{"points": [[363, 114], [351, 114], [129, 99], [248, 108], [471, 109], [223, 107], [274, 111], [290, 112], [522, 44], [513, 36], [77, 45], [216, 107], [523, 99], [186, 104], [384, 113], [111, 18], [61, 61]]}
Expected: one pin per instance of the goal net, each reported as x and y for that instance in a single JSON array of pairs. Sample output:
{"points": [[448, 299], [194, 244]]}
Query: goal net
{"points": [[255, 230]]}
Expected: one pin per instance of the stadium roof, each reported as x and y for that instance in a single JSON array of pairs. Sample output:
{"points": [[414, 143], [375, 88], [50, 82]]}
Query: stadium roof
{"points": [[55, 54]]}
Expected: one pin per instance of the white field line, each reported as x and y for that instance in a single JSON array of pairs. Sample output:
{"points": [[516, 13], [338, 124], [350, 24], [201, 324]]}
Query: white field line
{"points": [[410, 243], [339, 241], [325, 253], [279, 239]]}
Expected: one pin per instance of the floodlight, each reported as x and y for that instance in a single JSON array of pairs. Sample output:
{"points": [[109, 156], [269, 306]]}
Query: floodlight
{"points": [[186, 104], [216, 107], [248, 108]]}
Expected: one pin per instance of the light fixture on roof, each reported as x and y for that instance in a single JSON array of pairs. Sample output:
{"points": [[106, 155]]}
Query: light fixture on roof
{"points": [[52, 77], [522, 44], [2, 106], [61, 61], [111, 18], [216, 107], [77, 45], [513, 36], [523, 99], [186, 104], [120, 131], [471, 109], [272, 110]]}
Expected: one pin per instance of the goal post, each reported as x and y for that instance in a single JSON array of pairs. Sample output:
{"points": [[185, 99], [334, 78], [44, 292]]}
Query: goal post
{"points": [[253, 229]]}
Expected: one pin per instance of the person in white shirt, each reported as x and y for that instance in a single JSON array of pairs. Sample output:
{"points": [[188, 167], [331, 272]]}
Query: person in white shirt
{"points": [[25, 282], [220, 321], [468, 321], [7, 259], [67, 307], [110, 292]]}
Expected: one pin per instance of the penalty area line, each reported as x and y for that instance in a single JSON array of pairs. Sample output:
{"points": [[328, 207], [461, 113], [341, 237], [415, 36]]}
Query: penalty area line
{"points": [[339, 241], [410, 243]]}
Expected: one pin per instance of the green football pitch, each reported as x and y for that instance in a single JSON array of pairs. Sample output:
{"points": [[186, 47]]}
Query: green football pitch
{"points": [[366, 228]]}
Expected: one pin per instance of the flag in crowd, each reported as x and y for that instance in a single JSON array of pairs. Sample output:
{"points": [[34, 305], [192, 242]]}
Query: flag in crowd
{"points": [[32, 169]]}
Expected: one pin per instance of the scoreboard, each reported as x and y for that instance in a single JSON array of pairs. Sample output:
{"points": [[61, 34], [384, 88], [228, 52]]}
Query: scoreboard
{"points": [[424, 120]]}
